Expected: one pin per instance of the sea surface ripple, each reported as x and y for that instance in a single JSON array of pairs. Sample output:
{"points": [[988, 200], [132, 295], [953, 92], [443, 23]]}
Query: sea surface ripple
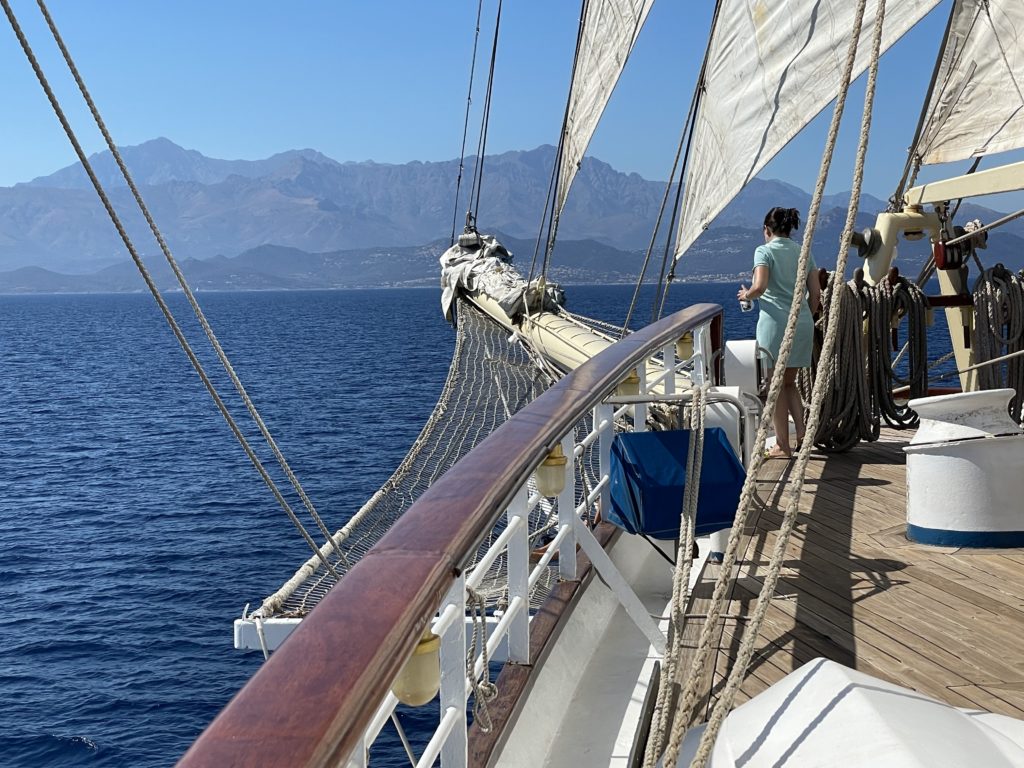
{"points": [[134, 527]]}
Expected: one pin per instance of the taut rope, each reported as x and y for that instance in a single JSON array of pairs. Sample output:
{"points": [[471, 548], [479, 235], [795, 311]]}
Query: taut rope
{"points": [[746, 651], [115, 219], [681, 577]]}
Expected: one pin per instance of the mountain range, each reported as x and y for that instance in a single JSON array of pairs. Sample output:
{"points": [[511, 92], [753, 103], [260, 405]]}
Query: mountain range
{"points": [[299, 219]]}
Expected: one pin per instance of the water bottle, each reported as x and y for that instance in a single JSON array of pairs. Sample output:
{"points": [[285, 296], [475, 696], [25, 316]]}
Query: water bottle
{"points": [[745, 304]]}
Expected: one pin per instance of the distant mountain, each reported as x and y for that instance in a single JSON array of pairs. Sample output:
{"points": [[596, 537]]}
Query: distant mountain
{"points": [[160, 161], [303, 200], [282, 268], [306, 203]]}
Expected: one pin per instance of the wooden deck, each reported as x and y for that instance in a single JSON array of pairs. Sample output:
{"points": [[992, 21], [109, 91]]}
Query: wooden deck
{"points": [[946, 622]]}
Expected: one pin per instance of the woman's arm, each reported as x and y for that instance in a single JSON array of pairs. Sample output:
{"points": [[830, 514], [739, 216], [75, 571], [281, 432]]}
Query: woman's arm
{"points": [[814, 291], [759, 285]]}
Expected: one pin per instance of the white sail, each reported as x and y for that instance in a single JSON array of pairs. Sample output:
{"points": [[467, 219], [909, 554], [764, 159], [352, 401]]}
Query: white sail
{"points": [[772, 67], [610, 28], [977, 107]]}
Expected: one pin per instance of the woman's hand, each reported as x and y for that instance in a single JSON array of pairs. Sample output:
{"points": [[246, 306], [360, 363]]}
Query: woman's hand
{"points": [[741, 294]]}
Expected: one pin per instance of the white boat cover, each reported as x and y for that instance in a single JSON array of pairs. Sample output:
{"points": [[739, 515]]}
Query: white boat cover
{"points": [[825, 714], [772, 67], [610, 28], [977, 107], [487, 268]]}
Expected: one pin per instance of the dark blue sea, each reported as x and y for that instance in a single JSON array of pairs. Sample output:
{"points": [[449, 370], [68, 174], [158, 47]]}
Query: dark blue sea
{"points": [[134, 527]]}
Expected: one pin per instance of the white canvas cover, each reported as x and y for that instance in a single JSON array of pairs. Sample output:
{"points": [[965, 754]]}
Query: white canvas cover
{"points": [[977, 107], [772, 67], [610, 29], [825, 715]]}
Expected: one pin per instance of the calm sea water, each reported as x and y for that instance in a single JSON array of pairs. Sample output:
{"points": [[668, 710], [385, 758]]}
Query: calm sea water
{"points": [[134, 528]]}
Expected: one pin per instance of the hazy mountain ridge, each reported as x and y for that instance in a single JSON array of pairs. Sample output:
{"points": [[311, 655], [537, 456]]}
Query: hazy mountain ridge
{"points": [[223, 217]]}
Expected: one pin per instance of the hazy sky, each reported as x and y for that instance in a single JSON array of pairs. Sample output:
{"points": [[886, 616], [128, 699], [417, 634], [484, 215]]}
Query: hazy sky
{"points": [[386, 80]]}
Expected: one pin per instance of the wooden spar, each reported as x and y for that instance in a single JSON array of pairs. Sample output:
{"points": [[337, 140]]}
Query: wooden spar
{"points": [[311, 702]]}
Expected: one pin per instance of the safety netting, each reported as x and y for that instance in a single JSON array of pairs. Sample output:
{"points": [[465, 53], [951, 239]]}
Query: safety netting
{"points": [[493, 374]]}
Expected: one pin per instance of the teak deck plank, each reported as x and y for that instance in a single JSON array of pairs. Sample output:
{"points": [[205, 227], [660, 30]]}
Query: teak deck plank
{"points": [[946, 622]]}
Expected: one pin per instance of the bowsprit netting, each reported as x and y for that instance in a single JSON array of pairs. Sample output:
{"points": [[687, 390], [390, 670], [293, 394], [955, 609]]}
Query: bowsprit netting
{"points": [[491, 377]]}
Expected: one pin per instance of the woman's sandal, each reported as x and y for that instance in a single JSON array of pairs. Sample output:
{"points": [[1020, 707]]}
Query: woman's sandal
{"points": [[776, 453]]}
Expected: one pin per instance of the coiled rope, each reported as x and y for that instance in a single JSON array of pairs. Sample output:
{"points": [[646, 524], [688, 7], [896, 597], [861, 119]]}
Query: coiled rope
{"points": [[846, 409], [175, 328], [886, 302], [999, 330]]}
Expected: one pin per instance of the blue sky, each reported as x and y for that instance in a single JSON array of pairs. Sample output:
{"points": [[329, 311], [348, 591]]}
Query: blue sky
{"points": [[386, 81]]}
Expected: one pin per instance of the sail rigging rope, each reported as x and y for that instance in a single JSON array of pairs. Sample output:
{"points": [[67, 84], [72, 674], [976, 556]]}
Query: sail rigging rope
{"points": [[685, 709], [913, 163], [485, 120], [683, 143], [669, 687], [465, 122], [136, 257], [180, 277], [661, 292], [746, 651], [550, 216]]}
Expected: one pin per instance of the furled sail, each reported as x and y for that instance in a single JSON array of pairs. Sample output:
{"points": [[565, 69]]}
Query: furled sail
{"points": [[977, 107], [609, 30], [771, 68]]}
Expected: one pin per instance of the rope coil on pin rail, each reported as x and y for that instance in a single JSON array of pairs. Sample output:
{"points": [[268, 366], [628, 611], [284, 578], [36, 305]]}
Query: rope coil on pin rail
{"points": [[999, 331], [846, 410], [885, 303], [133, 252]]}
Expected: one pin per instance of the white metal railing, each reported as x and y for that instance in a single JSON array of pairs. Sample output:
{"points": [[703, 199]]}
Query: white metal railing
{"points": [[450, 739]]}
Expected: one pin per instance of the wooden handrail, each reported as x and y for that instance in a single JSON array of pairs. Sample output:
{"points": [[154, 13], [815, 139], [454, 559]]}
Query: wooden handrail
{"points": [[311, 702]]}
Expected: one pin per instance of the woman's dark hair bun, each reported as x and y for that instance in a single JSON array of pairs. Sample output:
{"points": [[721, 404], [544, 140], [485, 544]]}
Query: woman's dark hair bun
{"points": [[782, 221]]}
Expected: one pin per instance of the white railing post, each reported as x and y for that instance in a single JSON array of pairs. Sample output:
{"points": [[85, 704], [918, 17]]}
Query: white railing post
{"points": [[604, 413], [640, 409], [701, 354], [518, 560], [668, 356], [455, 752], [567, 511]]}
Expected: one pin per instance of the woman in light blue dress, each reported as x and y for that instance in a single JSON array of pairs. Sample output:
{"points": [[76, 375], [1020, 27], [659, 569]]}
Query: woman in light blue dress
{"points": [[774, 279]]}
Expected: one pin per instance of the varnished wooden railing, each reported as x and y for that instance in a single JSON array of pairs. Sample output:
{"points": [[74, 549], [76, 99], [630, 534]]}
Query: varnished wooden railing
{"points": [[311, 702]]}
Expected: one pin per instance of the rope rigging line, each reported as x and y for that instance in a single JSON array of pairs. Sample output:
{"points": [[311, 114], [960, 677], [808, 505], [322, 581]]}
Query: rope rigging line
{"points": [[669, 688], [465, 123], [122, 232], [746, 651], [690, 694], [684, 142], [481, 149], [913, 164], [552, 216], [661, 292], [179, 275]]}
